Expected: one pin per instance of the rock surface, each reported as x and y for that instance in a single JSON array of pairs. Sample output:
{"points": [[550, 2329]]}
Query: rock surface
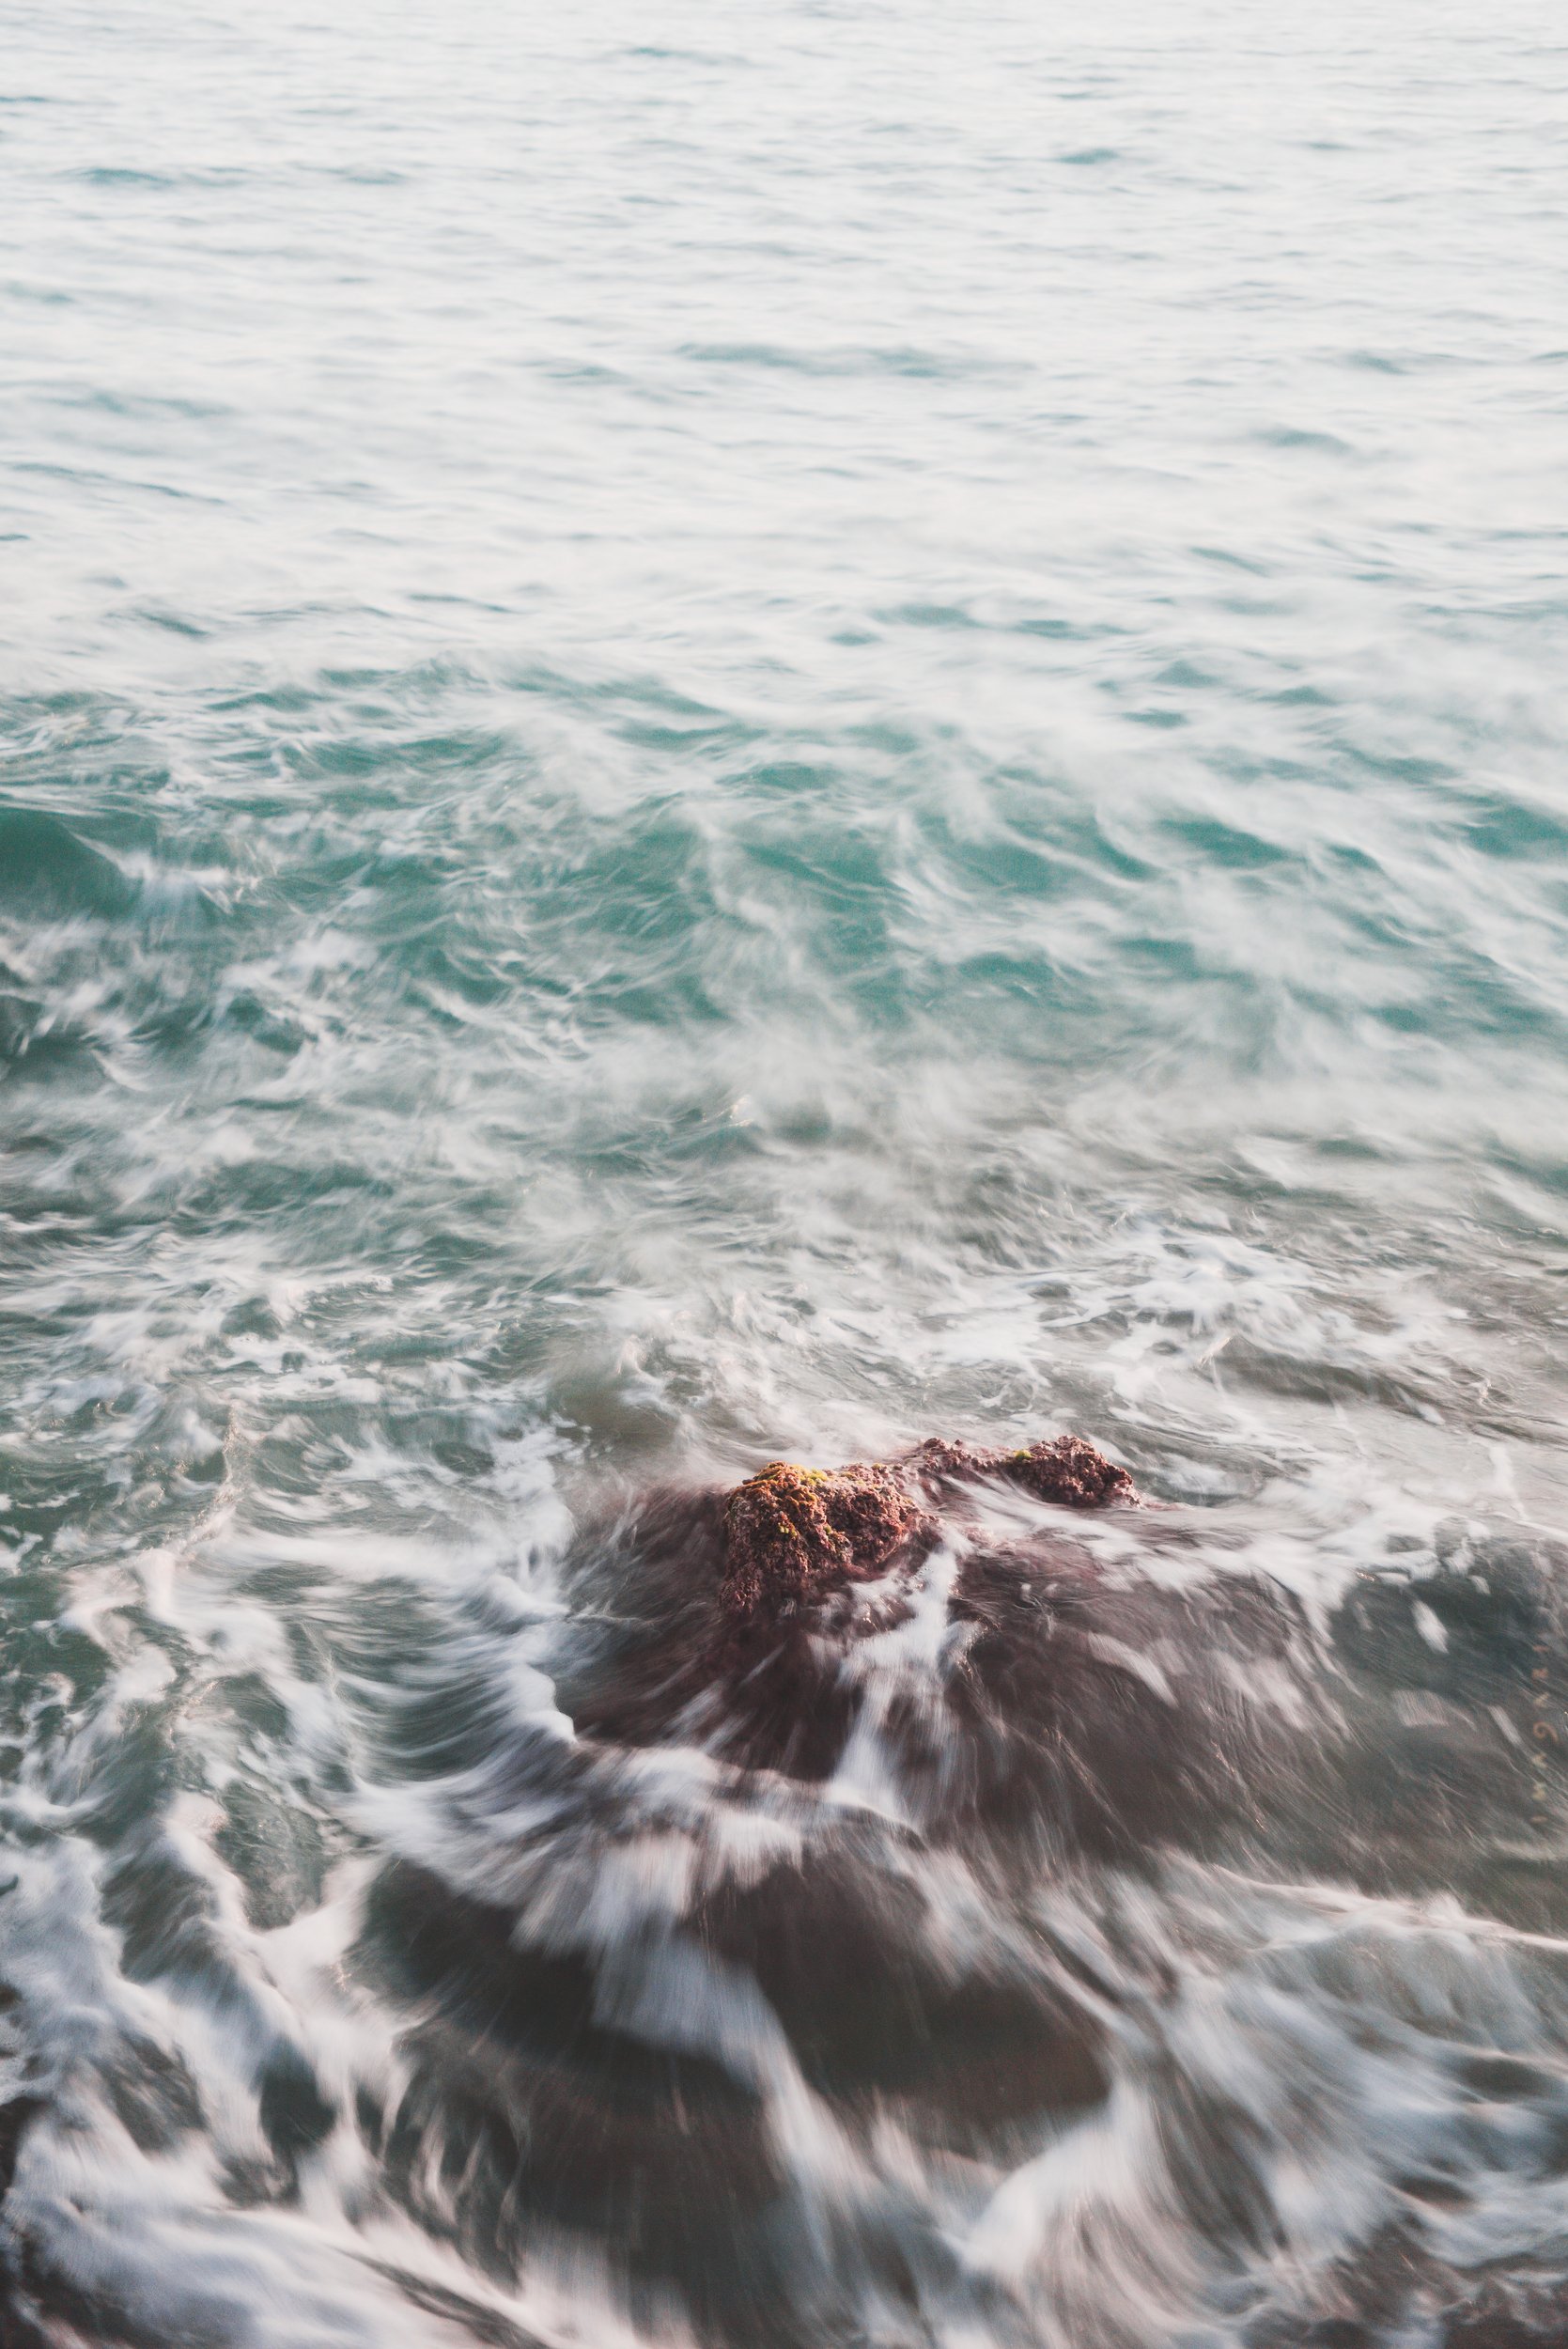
{"points": [[791, 1531], [1063, 1469]]}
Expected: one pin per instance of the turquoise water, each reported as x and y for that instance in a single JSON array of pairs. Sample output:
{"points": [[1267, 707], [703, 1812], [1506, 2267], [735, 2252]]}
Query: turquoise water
{"points": [[731, 733]]}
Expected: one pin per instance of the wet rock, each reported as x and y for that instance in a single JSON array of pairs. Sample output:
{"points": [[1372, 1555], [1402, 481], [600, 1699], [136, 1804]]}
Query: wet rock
{"points": [[791, 1531], [1063, 1469]]}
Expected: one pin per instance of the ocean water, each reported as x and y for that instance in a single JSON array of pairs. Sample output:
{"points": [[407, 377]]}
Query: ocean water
{"points": [[757, 732]]}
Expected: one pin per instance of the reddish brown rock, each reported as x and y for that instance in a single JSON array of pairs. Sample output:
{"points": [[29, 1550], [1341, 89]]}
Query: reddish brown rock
{"points": [[1063, 1469], [790, 1532]]}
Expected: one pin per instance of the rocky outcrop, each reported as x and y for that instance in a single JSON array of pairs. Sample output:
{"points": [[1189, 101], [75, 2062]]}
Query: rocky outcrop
{"points": [[1063, 1469], [791, 1531]]}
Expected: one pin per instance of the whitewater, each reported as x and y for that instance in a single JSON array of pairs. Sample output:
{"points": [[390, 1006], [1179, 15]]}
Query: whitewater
{"points": [[742, 735]]}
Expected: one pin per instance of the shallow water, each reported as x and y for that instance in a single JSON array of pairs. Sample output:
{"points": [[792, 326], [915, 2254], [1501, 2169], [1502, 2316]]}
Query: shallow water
{"points": [[760, 734]]}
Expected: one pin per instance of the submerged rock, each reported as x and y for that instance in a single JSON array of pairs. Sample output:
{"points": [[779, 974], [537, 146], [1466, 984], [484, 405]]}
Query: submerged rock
{"points": [[792, 1531]]}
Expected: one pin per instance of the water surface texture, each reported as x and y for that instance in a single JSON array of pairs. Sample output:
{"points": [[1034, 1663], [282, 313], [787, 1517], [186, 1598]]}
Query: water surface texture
{"points": [[750, 731]]}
